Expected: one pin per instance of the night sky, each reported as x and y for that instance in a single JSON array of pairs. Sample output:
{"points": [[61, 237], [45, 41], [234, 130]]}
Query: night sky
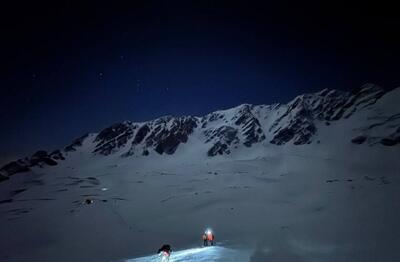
{"points": [[72, 68]]}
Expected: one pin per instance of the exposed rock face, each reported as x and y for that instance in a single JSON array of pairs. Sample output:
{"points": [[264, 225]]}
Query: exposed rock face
{"points": [[38, 159], [388, 141], [392, 139], [114, 137], [212, 117], [141, 134], [244, 127], [2, 177], [250, 126], [167, 139], [41, 157], [224, 137], [297, 124], [218, 149], [14, 167], [162, 135], [57, 155], [224, 131], [76, 143], [359, 140]]}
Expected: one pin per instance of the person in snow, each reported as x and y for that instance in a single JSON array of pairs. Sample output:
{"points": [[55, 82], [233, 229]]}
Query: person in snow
{"points": [[165, 252], [205, 239], [88, 201], [208, 238]]}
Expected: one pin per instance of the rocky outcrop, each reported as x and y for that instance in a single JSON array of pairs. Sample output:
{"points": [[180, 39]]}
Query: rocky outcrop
{"points": [[57, 155], [167, 139], [162, 135], [41, 158], [223, 137], [393, 139], [359, 140], [242, 127], [218, 149], [210, 118], [141, 134], [114, 137], [14, 167], [3, 177], [250, 126], [38, 159], [297, 123], [388, 141], [76, 143]]}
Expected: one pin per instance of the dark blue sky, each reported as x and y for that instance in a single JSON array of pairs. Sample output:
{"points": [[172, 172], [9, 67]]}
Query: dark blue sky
{"points": [[71, 68]]}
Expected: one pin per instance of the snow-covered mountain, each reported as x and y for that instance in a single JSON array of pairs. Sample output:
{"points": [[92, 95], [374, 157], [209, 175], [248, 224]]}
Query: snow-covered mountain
{"points": [[366, 116], [316, 179]]}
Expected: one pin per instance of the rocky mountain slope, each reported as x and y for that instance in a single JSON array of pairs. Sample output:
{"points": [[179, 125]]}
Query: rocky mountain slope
{"points": [[368, 116]]}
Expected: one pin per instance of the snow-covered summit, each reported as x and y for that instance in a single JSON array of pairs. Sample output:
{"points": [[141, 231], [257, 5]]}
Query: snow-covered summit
{"points": [[302, 121]]}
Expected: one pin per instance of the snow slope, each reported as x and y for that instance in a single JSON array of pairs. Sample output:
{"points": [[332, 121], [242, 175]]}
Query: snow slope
{"points": [[331, 200], [208, 254]]}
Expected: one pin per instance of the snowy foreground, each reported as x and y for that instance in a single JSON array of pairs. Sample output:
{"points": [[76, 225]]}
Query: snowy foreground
{"points": [[328, 201], [210, 254], [304, 204]]}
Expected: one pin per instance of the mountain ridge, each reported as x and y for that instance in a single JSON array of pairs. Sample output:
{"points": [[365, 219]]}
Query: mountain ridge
{"points": [[224, 131]]}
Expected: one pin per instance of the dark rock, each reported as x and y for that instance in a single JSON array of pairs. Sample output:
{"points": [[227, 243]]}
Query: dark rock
{"points": [[3, 177], [41, 157], [111, 132], [5, 201], [388, 141], [141, 134], [369, 178], [332, 180], [359, 140], [283, 136], [225, 134], [40, 154], [114, 137], [14, 167], [384, 181], [327, 105], [18, 191], [168, 140], [57, 155], [76, 143], [249, 125], [168, 145], [217, 149]]}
